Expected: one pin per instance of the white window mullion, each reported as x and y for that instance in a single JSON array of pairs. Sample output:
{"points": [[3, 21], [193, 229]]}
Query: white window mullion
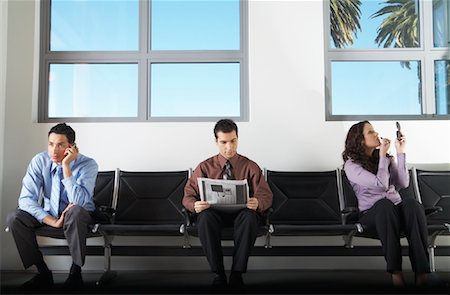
{"points": [[426, 32]]}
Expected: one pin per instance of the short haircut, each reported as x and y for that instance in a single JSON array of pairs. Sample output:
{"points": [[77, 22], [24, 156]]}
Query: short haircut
{"points": [[225, 126], [63, 128]]}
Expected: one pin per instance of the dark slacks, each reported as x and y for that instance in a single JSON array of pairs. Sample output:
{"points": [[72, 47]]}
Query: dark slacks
{"points": [[388, 221], [245, 224], [23, 225]]}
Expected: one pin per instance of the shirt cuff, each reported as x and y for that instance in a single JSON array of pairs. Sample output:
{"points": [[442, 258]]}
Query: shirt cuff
{"points": [[41, 215]]}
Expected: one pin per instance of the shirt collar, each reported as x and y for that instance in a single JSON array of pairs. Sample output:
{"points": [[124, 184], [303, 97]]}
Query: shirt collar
{"points": [[223, 160], [54, 166]]}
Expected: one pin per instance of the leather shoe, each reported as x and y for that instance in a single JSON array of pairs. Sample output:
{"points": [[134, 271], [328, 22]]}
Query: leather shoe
{"points": [[39, 281], [219, 283], [236, 281], [74, 281]]}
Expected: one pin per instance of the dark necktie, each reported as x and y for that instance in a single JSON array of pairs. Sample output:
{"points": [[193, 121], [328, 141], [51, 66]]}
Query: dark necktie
{"points": [[227, 173]]}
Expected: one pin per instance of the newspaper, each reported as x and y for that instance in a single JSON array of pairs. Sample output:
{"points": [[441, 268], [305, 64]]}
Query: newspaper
{"points": [[221, 193]]}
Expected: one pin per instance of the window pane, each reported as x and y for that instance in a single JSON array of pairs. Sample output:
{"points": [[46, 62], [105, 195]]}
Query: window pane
{"points": [[373, 24], [441, 23], [442, 78], [94, 25], [195, 90], [195, 25], [356, 88], [93, 90]]}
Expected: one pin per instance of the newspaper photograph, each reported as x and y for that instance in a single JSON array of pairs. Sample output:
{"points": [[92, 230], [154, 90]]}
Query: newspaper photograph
{"points": [[224, 193]]}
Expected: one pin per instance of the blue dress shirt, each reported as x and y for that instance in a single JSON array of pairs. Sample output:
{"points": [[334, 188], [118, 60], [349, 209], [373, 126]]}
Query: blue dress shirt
{"points": [[78, 189]]}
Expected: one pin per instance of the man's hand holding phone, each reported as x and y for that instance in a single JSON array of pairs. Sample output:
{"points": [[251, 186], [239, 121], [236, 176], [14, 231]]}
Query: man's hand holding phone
{"points": [[71, 153]]}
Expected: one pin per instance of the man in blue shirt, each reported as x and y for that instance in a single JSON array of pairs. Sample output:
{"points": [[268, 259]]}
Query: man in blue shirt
{"points": [[65, 180]]}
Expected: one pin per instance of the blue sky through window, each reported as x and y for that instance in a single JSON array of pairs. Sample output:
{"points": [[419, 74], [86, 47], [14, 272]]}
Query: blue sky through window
{"points": [[96, 25], [93, 90], [105, 89], [195, 25], [356, 84], [195, 90], [356, 88]]}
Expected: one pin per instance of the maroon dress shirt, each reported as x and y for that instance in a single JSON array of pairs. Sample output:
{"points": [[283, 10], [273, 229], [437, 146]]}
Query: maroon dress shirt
{"points": [[242, 167]]}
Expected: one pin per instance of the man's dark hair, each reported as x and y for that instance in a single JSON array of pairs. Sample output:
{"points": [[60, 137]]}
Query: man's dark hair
{"points": [[225, 126], [63, 128]]}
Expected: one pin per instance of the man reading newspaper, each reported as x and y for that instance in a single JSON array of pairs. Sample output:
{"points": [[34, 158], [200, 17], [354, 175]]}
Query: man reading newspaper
{"points": [[228, 164]]}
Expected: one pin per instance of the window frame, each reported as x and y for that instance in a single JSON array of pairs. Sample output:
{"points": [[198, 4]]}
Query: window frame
{"points": [[426, 54], [144, 57]]}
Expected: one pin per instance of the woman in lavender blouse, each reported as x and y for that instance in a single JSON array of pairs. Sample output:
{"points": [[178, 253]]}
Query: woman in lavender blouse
{"points": [[376, 179]]}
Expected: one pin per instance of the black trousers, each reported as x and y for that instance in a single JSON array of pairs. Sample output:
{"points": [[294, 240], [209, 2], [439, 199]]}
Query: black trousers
{"points": [[23, 225], [245, 223], [388, 221]]}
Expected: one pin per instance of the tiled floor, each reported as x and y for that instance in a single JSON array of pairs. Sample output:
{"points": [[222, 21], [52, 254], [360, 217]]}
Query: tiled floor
{"points": [[257, 282]]}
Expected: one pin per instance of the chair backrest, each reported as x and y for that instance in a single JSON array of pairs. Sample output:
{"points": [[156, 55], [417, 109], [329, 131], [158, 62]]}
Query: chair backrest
{"points": [[434, 189], [349, 197], [150, 197], [104, 188], [304, 198]]}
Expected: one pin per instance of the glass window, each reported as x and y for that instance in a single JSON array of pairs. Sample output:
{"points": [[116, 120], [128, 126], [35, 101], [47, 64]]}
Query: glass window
{"points": [[195, 90], [442, 76], [373, 24], [100, 25], [195, 25], [441, 31], [93, 90], [143, 60], [387, 59], [357, 91]]}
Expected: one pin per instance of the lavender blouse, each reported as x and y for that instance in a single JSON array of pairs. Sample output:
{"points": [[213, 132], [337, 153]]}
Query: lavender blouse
{"points": [[369, 187]]}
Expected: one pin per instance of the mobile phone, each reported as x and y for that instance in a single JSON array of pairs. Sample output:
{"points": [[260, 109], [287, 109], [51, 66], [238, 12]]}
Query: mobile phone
{"points": [[399, 130], [74, 145]]}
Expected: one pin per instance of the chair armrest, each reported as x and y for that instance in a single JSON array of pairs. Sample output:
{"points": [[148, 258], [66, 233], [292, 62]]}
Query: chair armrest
{"points": [[105, 214], [349, 210], [432, 210], [188, 217], [266, 216], [350, 214]]}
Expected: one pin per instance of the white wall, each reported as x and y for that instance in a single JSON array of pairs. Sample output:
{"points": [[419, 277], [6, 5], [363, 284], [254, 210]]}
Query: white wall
{"points": [[3, 37], [287, 128]]}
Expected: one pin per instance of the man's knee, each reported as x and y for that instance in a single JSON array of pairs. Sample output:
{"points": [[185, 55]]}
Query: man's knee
{"points": [[206, 217], [247, 217], [12, 219], [18, 217], [76, 213]]}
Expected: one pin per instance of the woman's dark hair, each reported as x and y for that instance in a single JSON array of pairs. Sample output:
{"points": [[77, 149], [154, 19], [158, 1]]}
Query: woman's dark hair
{"points": [[355, 149], [63, 128], [225, 126]]}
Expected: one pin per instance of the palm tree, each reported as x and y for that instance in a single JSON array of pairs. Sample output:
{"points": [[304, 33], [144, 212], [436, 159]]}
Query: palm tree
{"points": [[400, 28], [344, 21]]}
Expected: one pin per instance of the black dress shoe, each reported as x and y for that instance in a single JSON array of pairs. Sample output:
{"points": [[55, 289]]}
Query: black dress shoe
{"points": [[39, 282], [236, 281], [73, 282], [219, 283]]}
